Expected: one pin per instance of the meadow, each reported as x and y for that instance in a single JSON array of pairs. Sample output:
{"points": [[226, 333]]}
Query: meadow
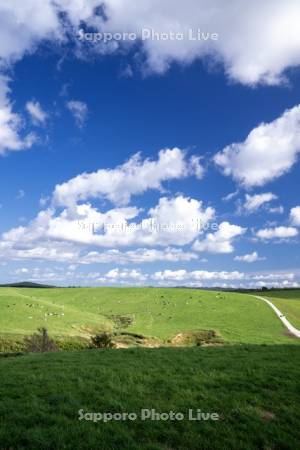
{"points": [[248, 374], [160, 314], [255, 390]]}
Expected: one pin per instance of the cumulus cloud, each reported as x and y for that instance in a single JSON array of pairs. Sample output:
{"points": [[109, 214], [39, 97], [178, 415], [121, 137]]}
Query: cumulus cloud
{"points": [[174, 221], [24, 25], [36, 112], [196, 167], [249, 258], [295, 216], [178, 220], [277, 233], [269, 151], [221, 241], [257, 41], [117, 274], [79, 110], [131, 178], [254, 202]]}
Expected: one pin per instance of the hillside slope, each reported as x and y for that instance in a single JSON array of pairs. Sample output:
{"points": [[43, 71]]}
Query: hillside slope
{"points": [[158, 312]]}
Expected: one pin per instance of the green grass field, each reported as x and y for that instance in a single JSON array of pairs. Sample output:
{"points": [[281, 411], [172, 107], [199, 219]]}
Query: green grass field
{"points": [[249, 377], [159, 313], [254, 389]]}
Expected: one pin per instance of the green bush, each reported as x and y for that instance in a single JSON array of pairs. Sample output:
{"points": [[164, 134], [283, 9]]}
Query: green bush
{"points": [[102, 340]]}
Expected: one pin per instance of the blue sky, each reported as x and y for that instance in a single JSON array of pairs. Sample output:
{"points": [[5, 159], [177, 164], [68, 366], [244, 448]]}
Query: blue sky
{"points": [[216, 126]]}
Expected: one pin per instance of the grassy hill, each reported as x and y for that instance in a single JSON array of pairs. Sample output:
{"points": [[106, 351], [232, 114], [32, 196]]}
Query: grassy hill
{"points": [[153, 312], [253, 386], [254, 389], [27, 284]]}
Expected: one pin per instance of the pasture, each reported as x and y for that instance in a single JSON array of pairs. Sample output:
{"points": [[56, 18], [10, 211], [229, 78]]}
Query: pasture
{"points": [[254, 389], [159, 314], [246, 370]]}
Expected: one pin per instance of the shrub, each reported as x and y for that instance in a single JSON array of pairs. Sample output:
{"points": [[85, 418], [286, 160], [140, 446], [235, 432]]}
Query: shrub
{"points": [[40, 342], [102, 340], [206, 337]]}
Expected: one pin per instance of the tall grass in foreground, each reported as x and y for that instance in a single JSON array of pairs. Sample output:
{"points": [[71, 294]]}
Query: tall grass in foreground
{"points": [[254, 389]]}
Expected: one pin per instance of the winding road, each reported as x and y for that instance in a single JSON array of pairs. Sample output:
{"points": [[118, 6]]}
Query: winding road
{"points": [[283, 319]]}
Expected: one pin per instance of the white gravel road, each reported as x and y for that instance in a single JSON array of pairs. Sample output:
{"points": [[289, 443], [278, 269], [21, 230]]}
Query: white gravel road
{"points": [[281, 316]]}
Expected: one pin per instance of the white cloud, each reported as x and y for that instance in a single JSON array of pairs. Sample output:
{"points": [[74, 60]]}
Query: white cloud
{"points": [[71, 235], [52, 251], [295, 216], [249, 258], [60, 234], [221, 240], [36, 112], [269, 151], [21, 271], [257, 41], [11, 124], [124, 276], [133, 177], [79, 110], [196, 275], [12, 248], [175, 221], [139, 255], [274, 276], [132, 274], [277, 233], [230, 196], [198, 278], [24, 25], [196, 167], [178, 220], [254, 202], [276, 209]]}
